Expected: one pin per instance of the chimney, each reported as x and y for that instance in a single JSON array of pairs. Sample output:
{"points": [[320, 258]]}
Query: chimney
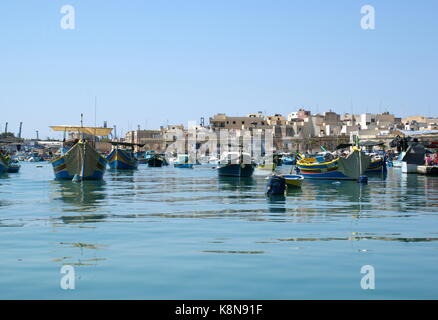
{"points": [[19, 131]]}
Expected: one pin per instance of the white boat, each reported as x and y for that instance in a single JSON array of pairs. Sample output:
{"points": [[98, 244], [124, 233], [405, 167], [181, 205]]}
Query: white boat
{"points": [[409, 167]]}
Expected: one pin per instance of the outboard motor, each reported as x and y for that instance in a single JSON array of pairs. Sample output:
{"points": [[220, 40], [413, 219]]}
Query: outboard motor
{"points": [[276, 185]]}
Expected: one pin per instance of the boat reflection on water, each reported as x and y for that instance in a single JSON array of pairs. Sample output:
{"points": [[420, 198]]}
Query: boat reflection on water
{"points": [[122, 176], [231, 183], [79, 203], [276, 203], [85, 196]]}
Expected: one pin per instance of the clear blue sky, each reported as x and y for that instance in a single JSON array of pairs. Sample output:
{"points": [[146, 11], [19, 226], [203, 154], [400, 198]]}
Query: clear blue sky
{"points": [[149, 62]]}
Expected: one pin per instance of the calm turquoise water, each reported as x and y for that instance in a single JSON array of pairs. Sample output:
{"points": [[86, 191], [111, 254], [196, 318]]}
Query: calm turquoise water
{"points": [[166, 233]]}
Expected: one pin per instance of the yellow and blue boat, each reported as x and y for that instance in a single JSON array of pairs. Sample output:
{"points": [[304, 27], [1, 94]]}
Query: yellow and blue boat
{"points": [[183, 162], [377, 165], [349, 168], [122, 159], [293, 180], [81, 161]]}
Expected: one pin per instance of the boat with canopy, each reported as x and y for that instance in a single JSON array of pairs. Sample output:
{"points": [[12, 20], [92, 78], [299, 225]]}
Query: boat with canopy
{"points": [[79, 159]]}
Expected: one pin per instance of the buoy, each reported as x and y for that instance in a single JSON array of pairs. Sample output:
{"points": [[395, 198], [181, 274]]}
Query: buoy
{"points": [[363, 179]]}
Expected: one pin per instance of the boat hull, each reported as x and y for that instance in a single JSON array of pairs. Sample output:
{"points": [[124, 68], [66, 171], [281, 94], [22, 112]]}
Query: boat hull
{"points": [[121, 160], [377, 166], [338, 169], [13, 169], [155, 162], [81, 162], [409, 167], [293, 180], [236, 170], [183, 165]]}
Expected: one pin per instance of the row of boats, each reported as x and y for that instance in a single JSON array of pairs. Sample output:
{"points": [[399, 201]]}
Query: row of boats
{"points": [[79, 160]]}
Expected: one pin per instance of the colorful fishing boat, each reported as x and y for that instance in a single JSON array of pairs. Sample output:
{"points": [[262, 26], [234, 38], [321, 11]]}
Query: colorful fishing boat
{"points": [[81, 161], [348, 168], [234, 164], [293, 180], [122, 159], [377, 165], [182, 161]]}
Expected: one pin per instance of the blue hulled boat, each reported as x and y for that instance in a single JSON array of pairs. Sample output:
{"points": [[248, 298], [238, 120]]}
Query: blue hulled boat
{"points": [[183, 162], [349, 168], [122, 159], [81, 161], [377, 165]]}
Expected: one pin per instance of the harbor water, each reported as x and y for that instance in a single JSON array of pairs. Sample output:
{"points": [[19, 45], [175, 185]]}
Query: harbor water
{"points": [[168, 233]]}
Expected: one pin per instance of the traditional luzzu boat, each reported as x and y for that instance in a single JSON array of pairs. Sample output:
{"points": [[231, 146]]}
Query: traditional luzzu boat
{"points": [[81, 161], [122, 159], [349, 168], [377, 165], [235, 164], [183, 162]]}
